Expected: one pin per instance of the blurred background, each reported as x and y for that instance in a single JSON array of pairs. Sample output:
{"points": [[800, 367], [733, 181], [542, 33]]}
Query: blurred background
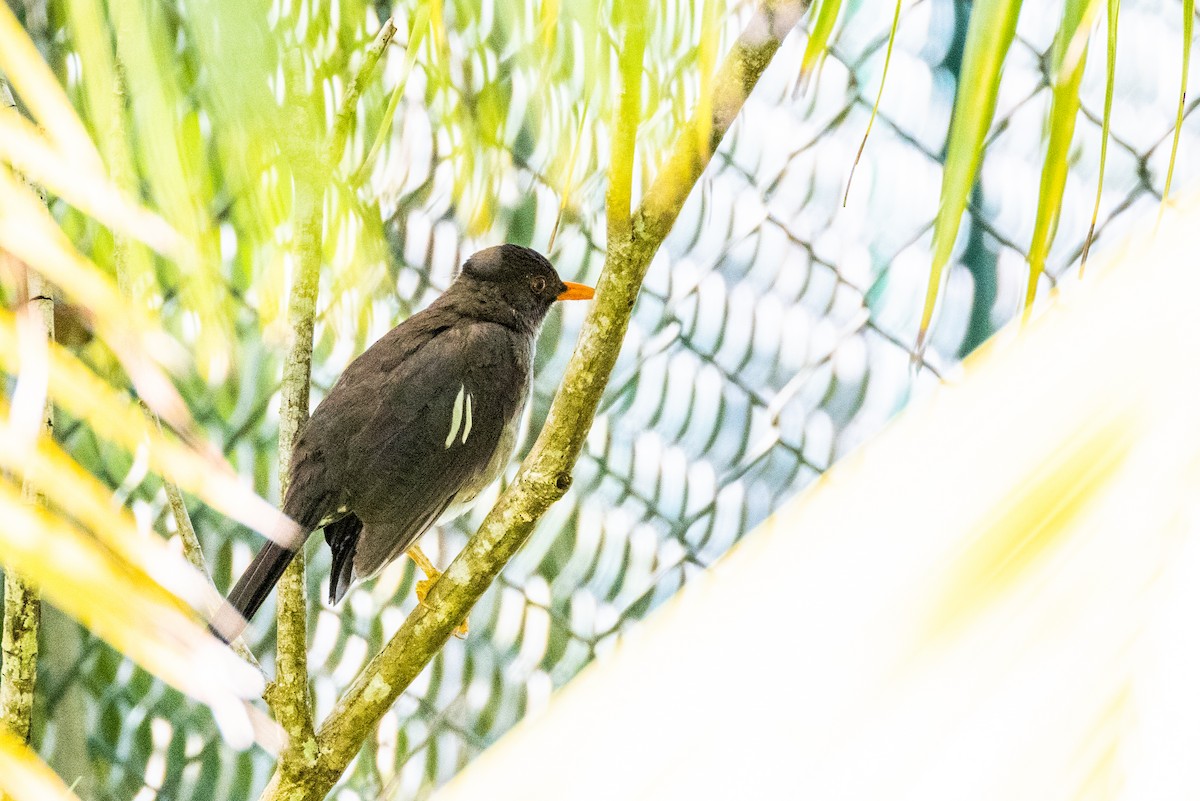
{"points": [[775, 333]]}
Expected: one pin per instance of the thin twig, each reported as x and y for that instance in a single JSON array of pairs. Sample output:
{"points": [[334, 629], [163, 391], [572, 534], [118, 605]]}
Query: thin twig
{"points": [[415, 35], [195, 554], [189, 539], [22, 608], [341, 126]]}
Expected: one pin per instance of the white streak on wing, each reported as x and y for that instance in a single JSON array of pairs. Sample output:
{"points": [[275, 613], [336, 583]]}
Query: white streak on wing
{"points": [[456, 417], [467, 425]]}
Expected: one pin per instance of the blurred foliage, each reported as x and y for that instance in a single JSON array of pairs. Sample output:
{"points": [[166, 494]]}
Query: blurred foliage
{"points": [[775, 332]]}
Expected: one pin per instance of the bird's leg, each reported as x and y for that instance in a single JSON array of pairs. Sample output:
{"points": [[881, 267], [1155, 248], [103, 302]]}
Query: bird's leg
{"points": [[432, 574]]}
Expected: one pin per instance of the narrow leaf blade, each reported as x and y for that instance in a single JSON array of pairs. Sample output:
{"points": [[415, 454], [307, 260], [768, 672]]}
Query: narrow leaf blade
{"points": [[1114, 11], [1064, 108], [1189, 15], [989, 35], [25, 777], [818, 38]]}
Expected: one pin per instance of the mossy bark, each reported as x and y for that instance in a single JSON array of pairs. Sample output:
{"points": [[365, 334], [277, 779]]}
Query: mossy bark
{"points": [[288, 693], [22, 607]]}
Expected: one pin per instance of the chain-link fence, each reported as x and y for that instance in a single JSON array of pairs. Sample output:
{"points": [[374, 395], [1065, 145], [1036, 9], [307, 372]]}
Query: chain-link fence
{"points": [[774, 334]]}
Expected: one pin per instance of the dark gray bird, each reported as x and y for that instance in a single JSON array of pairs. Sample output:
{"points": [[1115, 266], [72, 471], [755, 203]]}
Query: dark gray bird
{"points": [[417, 425]]}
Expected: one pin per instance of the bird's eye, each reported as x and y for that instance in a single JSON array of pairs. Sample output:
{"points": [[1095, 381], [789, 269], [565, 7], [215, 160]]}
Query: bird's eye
{"points": [[538, 284]]}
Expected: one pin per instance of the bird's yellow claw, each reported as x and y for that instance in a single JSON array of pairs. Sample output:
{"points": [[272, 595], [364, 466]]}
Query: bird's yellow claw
{"points": [[432, 574]]}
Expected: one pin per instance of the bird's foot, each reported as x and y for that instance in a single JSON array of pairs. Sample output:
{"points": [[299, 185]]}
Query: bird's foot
{"points": [[432, 574]]}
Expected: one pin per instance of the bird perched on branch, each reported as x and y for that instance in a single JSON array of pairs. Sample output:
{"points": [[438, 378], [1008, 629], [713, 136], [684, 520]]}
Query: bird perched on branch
{"points": [[416, 427]]}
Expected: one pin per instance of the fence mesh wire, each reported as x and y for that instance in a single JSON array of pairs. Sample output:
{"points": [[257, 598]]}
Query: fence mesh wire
{"points": [[774, 334]]}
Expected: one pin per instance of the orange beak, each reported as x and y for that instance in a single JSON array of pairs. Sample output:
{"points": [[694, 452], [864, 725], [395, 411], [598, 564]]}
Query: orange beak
{"points": [[576, 291]]}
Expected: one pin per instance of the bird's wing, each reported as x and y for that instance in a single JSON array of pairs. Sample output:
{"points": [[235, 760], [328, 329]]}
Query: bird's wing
{"points": [[436, 418], [322, 458], [380, 545]]}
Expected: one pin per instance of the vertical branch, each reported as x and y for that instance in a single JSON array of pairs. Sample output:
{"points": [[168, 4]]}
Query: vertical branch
{"points": [[22, 608], [18, 672], [288, 694]]}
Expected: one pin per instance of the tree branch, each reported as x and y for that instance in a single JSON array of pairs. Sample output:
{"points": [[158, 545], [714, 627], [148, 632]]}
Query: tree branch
{"points": [[288, 694], [545, 475], [195, 554], [22, 608], [18, 671], [341, 125], [183, 520]]}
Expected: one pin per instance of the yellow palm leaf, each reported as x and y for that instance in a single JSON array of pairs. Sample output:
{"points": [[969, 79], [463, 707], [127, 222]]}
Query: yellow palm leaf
{"points": [[24, 777], [125, 607], [115, 417]]}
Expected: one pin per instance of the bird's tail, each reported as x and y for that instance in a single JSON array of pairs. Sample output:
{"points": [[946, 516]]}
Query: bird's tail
{"points": [[251, 590]]}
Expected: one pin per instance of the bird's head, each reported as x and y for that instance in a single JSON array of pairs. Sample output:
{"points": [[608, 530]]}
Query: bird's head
{"points": [[512, 284]]}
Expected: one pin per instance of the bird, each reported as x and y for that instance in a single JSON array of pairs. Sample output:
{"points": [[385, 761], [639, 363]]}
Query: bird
{"points": [[416, 426]]}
